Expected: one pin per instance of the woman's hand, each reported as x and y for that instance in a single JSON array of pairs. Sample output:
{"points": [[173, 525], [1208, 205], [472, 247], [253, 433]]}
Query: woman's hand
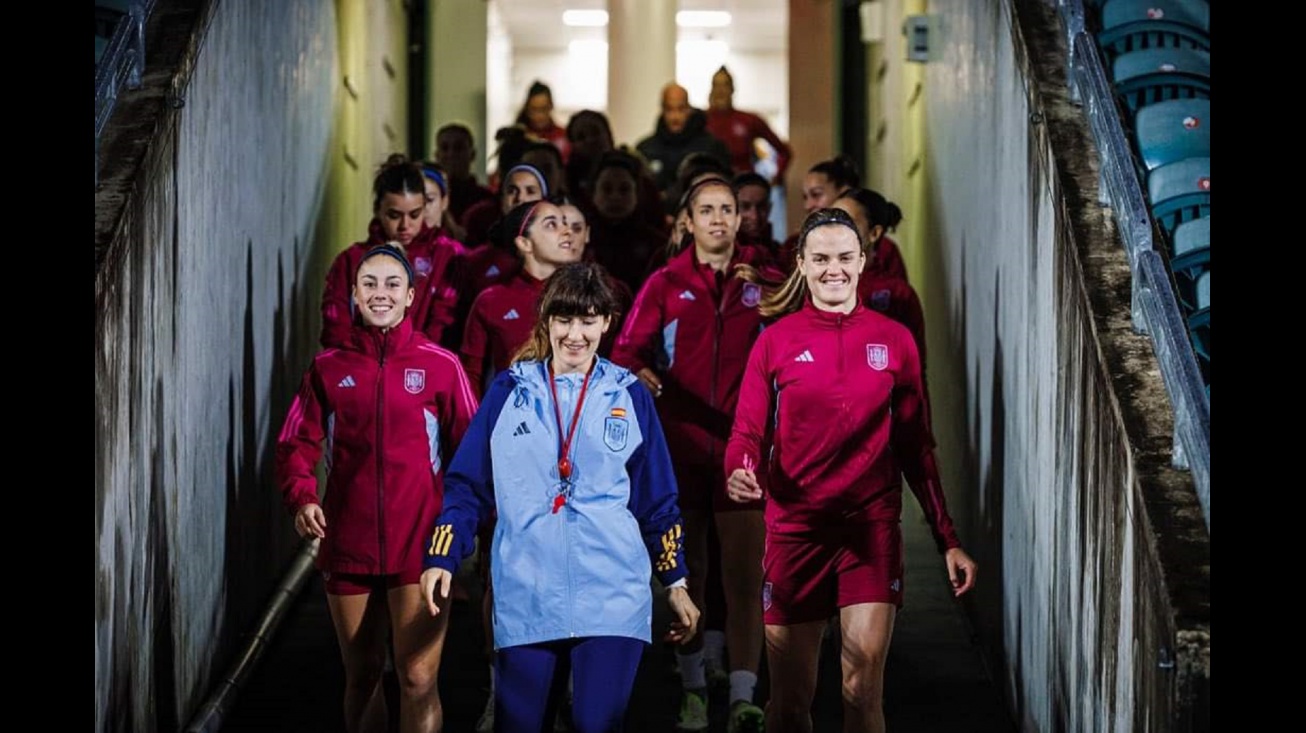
{"points": [[961, 570], [310, 521], [650, 380], [686, 614], [435, 580], [742, 486]]}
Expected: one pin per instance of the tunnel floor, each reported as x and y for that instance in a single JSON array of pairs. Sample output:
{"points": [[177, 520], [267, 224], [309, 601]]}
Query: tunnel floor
{"points": [[936, 679]]}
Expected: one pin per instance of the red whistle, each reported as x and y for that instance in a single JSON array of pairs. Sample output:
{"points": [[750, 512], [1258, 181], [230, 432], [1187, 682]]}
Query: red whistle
{"points": [[559, 501]]}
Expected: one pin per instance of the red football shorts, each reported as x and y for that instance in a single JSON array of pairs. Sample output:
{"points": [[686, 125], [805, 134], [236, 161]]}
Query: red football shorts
{"points": [[810, 577], [356, 584]]}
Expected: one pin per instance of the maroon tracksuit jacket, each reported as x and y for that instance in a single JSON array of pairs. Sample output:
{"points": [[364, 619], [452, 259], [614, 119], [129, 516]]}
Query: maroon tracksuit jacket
{"points": [[694, 328], [391, 408], [831, 416]]}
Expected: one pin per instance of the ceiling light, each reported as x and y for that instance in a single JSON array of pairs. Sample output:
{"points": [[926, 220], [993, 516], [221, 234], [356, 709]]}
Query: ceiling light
{"points": [[585, 18], [702, 19]]}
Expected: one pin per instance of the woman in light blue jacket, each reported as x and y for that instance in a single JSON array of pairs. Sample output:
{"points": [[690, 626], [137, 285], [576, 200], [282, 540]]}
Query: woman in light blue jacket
{"points": [[568, 452]]}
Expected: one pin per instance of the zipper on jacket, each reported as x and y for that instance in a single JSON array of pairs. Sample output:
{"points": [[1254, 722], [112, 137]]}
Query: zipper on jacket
{"points": [[716, 358], [380, 452], [838, 323]]}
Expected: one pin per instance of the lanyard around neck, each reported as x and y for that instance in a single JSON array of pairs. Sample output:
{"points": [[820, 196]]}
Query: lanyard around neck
{"points": [[564, 447]]}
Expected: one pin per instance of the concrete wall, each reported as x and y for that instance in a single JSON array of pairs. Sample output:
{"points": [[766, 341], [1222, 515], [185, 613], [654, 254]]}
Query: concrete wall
{"points": [[206, 316], [1040, 387]]}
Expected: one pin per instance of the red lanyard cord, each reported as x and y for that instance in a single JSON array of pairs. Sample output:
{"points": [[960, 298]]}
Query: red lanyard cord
{"points": [[564, 449]]}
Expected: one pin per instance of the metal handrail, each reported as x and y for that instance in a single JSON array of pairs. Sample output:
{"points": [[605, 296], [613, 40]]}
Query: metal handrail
{"points": [[123, 64], [213, 712], [1154, 309]]}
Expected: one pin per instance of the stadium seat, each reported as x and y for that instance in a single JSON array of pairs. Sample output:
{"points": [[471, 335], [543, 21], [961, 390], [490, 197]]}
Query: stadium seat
{"points": [[1193, 13], [1155, 75], [1192, 245], [1172, 130], [1180, 192], [1149, 34]]}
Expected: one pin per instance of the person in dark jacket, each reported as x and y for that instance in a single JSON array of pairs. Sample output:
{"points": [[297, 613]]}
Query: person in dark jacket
{"points": [[390, 406], [622, 240], [455, 148], [681, 130]]}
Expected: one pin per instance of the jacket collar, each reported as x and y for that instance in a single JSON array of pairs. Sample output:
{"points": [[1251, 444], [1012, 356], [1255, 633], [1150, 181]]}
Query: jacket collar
{"points": [[828, 319], [371, 341], [532, 377]]}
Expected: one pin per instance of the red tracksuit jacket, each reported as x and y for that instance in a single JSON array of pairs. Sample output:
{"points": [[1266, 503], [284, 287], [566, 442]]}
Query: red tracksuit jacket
{"points": [[432, 253], [830, 417], [738, 129], [391, 408], [500, 321], [502, 318], [695, 332]]}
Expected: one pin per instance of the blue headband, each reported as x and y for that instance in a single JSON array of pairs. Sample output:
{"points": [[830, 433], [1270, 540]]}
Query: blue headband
{"points": [[438, 177], [544, 185], [392, 251]]}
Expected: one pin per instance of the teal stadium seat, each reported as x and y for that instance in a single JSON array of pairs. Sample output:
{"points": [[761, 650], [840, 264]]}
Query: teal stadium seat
{"points": [[1190, 259], [1179, 192], [1172, 130], [1193, 13], [1158, 74], [1134, 25], [1191, 250]]}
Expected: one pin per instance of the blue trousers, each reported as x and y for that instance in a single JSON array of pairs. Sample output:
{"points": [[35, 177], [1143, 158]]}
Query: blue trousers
{"points": [[531, 680]]}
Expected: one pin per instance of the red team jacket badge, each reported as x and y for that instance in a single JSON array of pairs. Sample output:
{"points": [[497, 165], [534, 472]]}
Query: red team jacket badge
{"points": [[877, 355], [415, 380], [752, 295]]}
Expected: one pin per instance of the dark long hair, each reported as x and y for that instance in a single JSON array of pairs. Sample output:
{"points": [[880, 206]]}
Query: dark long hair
{"points": [[398, 175]]}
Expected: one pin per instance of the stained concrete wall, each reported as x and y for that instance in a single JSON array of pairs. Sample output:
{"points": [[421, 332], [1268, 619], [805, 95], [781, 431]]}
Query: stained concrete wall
{"points": [[206, 316], [1054, 429]]}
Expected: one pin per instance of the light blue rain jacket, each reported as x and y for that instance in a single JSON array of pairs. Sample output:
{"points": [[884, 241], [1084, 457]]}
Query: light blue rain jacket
{"points": [[583, 570]]}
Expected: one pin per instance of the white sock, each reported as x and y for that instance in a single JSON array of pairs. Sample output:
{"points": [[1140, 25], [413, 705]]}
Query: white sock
{"points": [[714, 648], [693, 675], [742, 684]]}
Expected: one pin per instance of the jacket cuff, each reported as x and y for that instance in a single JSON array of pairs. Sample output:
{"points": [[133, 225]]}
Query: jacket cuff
{"points": [[671, 577], [443, 562]]}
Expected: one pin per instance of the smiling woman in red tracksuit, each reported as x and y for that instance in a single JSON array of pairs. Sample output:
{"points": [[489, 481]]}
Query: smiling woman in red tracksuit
{"points": [[400, 205], [687, 338], [830, 418], [391, 406]]}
